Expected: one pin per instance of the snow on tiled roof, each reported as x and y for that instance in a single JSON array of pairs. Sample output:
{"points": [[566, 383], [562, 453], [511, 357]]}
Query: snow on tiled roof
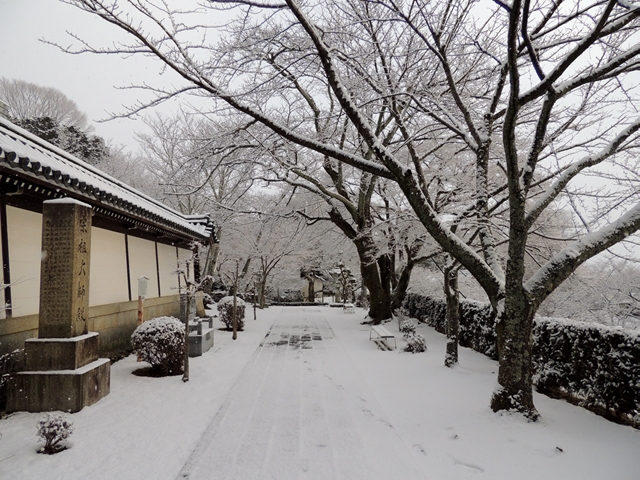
{"points": [[23, 151]]}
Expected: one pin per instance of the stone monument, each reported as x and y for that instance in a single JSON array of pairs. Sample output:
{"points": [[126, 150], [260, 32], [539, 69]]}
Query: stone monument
{"points": [[62, 368]]}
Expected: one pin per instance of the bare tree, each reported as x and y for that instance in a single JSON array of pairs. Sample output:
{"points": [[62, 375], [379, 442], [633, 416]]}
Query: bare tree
{"points": [[27, 101], [531, 94]]}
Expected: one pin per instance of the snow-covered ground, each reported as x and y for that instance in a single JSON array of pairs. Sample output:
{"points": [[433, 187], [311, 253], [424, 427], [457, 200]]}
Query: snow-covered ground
{"points": [[316, 399]]}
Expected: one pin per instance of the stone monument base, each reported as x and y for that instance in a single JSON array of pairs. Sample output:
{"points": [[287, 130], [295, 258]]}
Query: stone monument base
{"points": [[200, 338], [61, 374]]}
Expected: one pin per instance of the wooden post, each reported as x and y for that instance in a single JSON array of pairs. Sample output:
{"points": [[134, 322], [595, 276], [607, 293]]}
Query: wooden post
{"points": [[254, 300], [142, 294]]}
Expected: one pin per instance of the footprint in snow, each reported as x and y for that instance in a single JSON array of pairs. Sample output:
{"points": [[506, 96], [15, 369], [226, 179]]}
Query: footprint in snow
{"points": [[467, 465], [418, 448]]}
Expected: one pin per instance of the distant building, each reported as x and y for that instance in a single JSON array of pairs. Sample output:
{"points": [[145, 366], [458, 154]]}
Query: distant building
{"points": [[132, 235]]}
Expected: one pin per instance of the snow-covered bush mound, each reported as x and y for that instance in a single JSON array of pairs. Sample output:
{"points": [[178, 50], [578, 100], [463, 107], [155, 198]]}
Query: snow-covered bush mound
{"points": [[54, 428], [407, 328], [591, 365], [415, 344], [160, 342], [225, 307]]}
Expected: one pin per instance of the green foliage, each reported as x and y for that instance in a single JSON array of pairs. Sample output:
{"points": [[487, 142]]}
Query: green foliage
{"points": [[89, 148]]}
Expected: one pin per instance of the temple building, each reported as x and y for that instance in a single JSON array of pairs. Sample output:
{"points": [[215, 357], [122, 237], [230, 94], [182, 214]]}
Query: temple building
{"points": [[132, 235]]}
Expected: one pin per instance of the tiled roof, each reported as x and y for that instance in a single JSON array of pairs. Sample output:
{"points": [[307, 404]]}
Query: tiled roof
{"points": [[25, 153]]}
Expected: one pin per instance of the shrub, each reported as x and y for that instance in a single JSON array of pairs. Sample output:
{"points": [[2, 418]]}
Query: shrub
{"points": [[417, 343], [160, 342], [225, 307], [53, 428], [407, 328]]}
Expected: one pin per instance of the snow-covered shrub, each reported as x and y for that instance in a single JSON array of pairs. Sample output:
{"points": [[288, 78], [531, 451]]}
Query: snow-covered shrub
{"points": [[407, 328], [416, 343], [53, 428], [225, 307], [160, 342]]}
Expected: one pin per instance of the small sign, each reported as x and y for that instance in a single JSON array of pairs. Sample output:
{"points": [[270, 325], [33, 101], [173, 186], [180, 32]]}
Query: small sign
{"points": [[142, 286]]}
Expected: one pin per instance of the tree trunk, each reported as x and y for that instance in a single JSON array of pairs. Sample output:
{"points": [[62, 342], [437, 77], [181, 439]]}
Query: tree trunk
{"points": [[234, 317], [515, 343], [514, 331], [452, 294], [379, 300], [312, 290], [400, 290], [386, 273], [211, 264], [261, 299], [185, 363]]}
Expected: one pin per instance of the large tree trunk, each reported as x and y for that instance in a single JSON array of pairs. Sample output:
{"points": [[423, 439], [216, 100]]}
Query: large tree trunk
{"points": [[514, 329], [386, 273], [379, 300], [515, 342], [452, 294]]}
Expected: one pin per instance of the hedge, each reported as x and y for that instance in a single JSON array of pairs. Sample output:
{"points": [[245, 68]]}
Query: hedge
{"points": [[594, 366]]}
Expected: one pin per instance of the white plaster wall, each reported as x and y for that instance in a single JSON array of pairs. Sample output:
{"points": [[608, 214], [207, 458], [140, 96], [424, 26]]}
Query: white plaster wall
{"points": [[142, 261], [24, 229], [108, 280], [185, 255], [168, 264], [2, 312]]}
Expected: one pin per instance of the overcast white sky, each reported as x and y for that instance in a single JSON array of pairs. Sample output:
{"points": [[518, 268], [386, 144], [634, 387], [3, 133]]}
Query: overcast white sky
{"points": [[89, 80]]}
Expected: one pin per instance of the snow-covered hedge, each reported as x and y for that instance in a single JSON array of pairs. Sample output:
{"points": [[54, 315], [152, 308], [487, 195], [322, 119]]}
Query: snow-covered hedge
{"points": [[225, 307], [591, 365], [477, 322], [160, 342], [594, 366]]}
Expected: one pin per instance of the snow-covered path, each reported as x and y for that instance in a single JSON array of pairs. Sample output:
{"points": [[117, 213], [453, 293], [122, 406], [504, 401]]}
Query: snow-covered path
{"points": [[301, 409], [302, 393]]}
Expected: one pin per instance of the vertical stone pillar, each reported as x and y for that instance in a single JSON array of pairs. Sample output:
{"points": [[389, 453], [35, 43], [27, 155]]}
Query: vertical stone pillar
{"points": [[62, 368], [64, 277]]}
